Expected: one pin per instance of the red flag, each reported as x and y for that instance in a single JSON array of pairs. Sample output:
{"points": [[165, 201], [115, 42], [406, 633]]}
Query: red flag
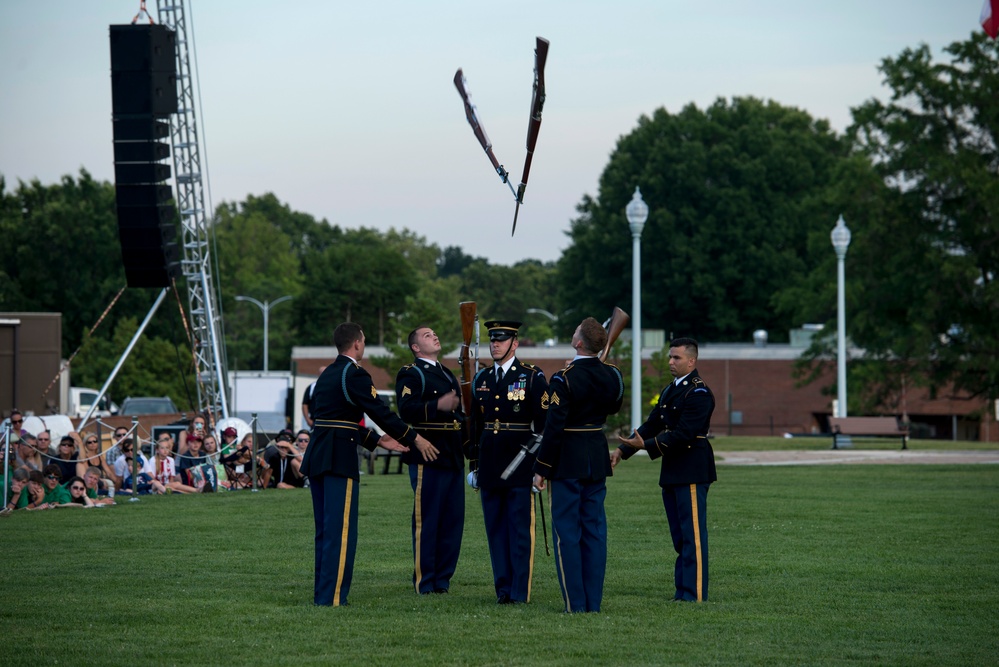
{"points": [[990, 18]]}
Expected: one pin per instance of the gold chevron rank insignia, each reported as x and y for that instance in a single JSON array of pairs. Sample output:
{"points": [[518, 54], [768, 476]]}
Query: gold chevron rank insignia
{"points": [[554, 399], [406, 391], [545, 398], [374, 392]]}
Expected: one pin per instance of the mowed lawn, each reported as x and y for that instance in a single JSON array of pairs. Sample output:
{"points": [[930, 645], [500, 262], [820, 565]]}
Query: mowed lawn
{"points": [[823, 565]]}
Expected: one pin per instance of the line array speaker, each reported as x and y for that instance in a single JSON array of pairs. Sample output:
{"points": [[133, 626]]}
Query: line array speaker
{"points": [[143, 96]]}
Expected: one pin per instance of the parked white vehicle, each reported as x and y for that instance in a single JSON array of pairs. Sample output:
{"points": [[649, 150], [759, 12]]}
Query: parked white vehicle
{"points": [[80, 400]]}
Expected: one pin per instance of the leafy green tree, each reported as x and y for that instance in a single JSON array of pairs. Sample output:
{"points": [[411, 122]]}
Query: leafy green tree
{"points": [[61, 253], [936, 145], [362, 279], [921, 196], [506, 292], [733, 192], [256, 258]]}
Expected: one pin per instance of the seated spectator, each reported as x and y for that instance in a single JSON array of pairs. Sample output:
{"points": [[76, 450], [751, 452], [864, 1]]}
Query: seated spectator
{"points": [[67, 457], [55, 492], [302, 441], [36, 491], [27, 456], [213, 457], [228, 441], [197, 428], [194, 456], [284, 462], [114, 451], [16, 421], [164, 470], [17, 494], [44, 442], [100, 489], [123, 471], [77, 494], [91, 457], [238, 462]]}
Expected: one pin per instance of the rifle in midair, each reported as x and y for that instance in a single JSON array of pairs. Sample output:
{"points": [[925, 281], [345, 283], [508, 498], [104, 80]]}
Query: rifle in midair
{"points": [[480, 132], [533, 124]]}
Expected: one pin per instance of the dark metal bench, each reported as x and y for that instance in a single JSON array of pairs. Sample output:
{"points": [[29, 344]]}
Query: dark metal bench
{"points": [[867, 427]]}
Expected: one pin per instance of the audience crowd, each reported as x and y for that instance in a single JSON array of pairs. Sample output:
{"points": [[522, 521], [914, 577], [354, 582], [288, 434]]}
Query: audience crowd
{"points": [[82, 473]]}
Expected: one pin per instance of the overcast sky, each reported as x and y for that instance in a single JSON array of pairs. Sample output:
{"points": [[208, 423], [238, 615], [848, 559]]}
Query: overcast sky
{"points": [[347, 110]]}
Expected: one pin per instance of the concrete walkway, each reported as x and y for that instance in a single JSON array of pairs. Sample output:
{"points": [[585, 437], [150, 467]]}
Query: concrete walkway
{"points": [[865, 456]]}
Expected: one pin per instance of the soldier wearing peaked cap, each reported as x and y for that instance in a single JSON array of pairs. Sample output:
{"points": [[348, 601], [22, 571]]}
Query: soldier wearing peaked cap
{"points": [[428, 396], [677, 430], [509, 403]]}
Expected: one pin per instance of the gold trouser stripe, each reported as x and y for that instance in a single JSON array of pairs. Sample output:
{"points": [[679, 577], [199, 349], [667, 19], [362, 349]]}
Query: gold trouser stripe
{"points": [[558, 548], [343, 543], [584, 430], [530, 567], [418, 514], [697, 538]]}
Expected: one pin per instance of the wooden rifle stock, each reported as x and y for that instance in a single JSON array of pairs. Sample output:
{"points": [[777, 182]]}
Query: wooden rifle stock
{"points": [[615, 324], [468, 315]]}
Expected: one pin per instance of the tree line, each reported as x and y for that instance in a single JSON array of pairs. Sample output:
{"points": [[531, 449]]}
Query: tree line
{"points": [[742, 195]]}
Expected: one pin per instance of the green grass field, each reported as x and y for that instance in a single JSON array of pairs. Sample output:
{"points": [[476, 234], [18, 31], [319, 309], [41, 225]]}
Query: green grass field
{"points": [[823, 565]]}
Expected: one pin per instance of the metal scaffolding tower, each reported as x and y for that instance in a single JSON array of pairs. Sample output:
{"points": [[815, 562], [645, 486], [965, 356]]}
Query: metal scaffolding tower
{"points": [[206, 326]]}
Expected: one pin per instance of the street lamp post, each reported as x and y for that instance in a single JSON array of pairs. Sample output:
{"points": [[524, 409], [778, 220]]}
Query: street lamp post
{"points": [[552, 316], [841, 241], [637, 213], [265, 308]]}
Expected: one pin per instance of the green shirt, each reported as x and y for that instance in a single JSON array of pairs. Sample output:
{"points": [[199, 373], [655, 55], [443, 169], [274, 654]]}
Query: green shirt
{"points": [[59, 495]]}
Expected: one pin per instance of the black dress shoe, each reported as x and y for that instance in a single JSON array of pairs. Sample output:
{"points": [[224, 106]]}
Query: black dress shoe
{"points": [[503, 599], [440, 591]]}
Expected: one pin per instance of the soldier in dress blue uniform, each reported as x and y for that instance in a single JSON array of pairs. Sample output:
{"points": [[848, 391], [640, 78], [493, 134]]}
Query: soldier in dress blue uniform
{"points": [[509, 403], [429, 400], [342, 395], [574, 459], [677, 430]]}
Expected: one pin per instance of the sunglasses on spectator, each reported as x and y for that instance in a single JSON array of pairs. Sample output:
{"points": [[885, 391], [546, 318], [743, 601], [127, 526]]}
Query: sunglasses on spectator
{"points": [[51, 476], [121, 435], [89, 442], [301, 439], [16, 421], [78, 488], [70, 444]]}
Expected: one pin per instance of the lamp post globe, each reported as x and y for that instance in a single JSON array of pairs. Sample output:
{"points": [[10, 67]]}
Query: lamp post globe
{"points": [[637, 212]]}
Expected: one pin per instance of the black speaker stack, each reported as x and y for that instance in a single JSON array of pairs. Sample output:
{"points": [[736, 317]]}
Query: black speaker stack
{"points": [[143, 96]]}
